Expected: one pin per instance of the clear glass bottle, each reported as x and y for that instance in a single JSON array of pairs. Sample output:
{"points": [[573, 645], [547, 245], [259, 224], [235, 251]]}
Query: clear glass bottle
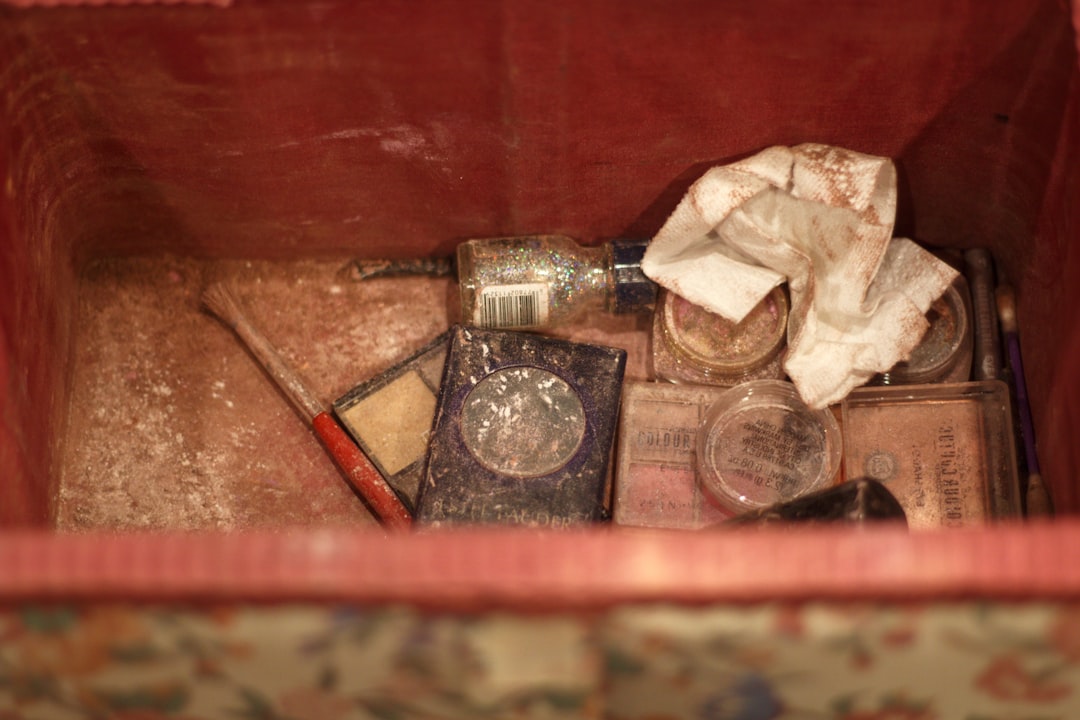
{"points": [[545, 280]]}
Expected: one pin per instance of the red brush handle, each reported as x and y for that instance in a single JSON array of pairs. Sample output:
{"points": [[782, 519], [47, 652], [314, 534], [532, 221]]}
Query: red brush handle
{"points": [[361, 474]]}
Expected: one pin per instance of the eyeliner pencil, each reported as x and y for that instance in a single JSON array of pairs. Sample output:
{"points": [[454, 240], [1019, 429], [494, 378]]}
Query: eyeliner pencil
{"points": [[1037, 498], [364, 478], [979, 270]]}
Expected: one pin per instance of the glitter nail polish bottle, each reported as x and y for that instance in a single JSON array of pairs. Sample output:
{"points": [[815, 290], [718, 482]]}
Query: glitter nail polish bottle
{"points": [[546, 280], [692, 345]]}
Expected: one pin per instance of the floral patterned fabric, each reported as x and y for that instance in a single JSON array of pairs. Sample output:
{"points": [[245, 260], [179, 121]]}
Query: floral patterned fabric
{"points": [[847, 662], [742, 662]]}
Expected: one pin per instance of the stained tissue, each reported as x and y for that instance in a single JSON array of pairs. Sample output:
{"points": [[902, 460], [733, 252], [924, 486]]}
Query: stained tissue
{"points": [[821, 219]]}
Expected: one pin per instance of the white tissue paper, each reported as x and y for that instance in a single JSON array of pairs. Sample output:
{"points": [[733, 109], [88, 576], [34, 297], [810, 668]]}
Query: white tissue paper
{"points": [[821, 218]]}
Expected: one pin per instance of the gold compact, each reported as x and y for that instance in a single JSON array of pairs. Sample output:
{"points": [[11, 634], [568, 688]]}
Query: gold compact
{"points": [[692, 345]]}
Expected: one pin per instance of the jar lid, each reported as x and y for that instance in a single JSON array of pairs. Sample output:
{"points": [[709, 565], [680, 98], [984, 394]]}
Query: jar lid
{"points": [[716, 344], [760, 444], [944, 344]]}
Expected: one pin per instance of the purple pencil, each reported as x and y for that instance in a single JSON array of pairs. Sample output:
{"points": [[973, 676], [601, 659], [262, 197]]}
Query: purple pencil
{"points": [[1037, 497]]}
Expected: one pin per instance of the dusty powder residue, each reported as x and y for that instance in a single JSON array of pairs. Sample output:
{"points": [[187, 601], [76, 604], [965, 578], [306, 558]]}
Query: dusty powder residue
{"points": [[172, 424], [523, 421], [629, 332], [394, 421]]}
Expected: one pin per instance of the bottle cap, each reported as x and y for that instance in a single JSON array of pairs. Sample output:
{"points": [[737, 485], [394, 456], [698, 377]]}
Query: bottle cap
{"points": [[633, 290], [858, 501]]}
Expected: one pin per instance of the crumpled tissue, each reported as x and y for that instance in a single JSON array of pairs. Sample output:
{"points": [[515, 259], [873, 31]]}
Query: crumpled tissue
{"points": [[821, 218]]}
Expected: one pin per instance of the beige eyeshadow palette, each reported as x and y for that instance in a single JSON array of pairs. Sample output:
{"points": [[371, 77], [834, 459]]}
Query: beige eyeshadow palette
{"points": [[390, 416]]}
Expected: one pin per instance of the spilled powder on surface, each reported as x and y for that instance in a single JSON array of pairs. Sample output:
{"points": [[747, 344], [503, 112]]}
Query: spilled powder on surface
{"points": [[172, 423]]}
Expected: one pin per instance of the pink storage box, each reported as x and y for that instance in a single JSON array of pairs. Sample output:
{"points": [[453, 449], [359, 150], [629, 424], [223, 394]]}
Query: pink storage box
{"points": [[173, 540]]}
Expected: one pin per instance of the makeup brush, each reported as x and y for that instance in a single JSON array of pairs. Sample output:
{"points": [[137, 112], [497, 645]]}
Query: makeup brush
{"points": [[1037, 498], [361, 474]]}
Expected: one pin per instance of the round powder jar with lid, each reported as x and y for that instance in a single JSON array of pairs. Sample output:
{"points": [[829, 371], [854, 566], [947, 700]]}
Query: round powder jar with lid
{"points": [[692, 345], [945, 352], [760, 444]]}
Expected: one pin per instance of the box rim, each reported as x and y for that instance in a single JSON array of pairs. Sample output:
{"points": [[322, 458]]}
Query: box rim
{"points": [[473, 568]]}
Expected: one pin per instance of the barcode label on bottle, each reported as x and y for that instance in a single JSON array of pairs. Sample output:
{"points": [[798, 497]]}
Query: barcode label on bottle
{"points": [[513, 306]]}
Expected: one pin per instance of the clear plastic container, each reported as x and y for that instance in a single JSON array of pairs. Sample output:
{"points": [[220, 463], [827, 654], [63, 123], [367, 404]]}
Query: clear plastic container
{"points": [[692, 345], [760, 444], [946, 451]]}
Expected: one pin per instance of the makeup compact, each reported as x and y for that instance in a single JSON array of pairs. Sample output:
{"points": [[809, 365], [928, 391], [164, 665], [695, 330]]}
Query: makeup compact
{"points": [[945, 451], [523, 431], [655, 478], [390, 416]]}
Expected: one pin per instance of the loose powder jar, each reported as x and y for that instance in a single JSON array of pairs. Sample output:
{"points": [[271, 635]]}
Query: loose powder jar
{"points": [[760, 444], [945, 352], [693, 345], [523, 431]]}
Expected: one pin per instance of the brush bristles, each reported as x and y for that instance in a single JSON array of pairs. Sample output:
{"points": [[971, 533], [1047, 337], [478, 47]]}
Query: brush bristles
{"points": [[221, 301], [1006, 307]]}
